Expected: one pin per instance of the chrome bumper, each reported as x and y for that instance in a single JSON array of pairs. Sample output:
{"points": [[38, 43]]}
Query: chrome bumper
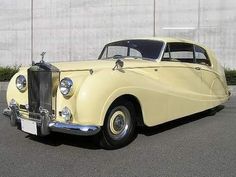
{"points": [[74, 129], [46, 125]]}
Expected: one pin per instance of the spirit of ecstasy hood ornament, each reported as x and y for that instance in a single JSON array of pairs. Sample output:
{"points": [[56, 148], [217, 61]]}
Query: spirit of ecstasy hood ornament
{"points": [[42, 54]]}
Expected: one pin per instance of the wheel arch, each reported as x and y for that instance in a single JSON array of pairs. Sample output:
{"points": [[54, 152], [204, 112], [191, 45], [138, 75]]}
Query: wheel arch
{"points": [[136, 103]]}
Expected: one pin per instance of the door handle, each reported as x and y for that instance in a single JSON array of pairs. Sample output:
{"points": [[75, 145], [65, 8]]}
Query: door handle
{"points": [[198, 68]]}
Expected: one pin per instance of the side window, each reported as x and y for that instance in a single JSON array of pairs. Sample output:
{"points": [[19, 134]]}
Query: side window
{"points": [[180, 52], [201, 56]]}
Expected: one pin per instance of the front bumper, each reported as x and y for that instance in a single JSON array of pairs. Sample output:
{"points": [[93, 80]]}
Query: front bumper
{"points": [[45, 124]]}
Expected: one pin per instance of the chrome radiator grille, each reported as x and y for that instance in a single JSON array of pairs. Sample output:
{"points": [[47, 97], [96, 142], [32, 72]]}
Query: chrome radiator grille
{"points": [[42, 80]]}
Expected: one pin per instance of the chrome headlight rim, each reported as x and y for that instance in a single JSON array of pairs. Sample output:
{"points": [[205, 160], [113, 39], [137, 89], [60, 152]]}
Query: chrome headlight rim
{"points": [[21, 83], [66, 86]]}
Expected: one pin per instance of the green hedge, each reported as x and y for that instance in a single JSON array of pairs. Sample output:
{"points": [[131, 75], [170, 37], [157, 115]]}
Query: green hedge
{"points": [[6, 73], [230, 76]]}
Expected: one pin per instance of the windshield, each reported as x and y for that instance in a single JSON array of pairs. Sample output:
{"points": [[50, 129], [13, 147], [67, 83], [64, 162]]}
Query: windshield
{"points": [[145, 49]]}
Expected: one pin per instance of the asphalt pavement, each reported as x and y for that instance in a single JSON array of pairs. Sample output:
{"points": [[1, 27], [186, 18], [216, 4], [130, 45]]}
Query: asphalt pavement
{"points": [[198, 145]]}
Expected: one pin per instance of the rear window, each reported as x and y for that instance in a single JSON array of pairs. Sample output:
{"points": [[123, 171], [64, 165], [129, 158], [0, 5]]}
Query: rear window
{"points": [[201, 56]]}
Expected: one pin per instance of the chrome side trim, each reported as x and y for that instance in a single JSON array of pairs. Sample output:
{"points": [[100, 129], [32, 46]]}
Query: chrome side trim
{"points": [[74, 129]]}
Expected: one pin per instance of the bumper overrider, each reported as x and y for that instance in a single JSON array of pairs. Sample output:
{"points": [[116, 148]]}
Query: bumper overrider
{"points": [[46, 124]]}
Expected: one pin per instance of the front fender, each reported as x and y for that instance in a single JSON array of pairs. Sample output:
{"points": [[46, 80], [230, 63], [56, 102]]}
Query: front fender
{"points": [[13, 92], [97, 93], [94, 93]]}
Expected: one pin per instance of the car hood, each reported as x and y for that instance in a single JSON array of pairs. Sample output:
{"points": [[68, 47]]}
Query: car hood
{"points": [[101, 64]]}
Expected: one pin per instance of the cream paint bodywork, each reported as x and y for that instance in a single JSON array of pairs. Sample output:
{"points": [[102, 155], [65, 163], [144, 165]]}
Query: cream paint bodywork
{"points": [[165, 90]]}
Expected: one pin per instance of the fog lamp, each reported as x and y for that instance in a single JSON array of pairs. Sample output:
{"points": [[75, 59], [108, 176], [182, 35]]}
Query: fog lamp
{"points": [[66, 114], [12, 102]]}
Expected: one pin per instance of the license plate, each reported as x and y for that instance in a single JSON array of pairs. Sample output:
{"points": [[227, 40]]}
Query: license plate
{"points": [[29, 126]]}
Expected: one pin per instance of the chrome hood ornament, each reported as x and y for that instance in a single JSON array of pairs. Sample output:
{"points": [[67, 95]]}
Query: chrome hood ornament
{"points": [[42, 54]]}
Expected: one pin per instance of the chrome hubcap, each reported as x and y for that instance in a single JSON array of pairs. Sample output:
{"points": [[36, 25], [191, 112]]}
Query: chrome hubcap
{"points": [[119, 123]]}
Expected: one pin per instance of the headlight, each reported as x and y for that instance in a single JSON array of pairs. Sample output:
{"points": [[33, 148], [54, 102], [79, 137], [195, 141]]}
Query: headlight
{"points": [[21, 83], [66, 86]]}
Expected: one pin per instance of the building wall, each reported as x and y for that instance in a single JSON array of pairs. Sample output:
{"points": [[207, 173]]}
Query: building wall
{"points": [[78, 29]]}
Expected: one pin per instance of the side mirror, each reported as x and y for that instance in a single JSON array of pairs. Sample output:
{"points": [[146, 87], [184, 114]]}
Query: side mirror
{"points": [[119, 64]]}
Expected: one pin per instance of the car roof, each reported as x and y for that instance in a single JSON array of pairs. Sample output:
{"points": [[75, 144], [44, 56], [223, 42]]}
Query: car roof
{"points": [[165, 39]]}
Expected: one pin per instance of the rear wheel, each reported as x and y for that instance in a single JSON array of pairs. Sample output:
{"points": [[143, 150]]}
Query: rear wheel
{"points": [[119, 126]]}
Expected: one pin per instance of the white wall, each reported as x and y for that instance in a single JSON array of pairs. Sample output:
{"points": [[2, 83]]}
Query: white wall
{"points": [[78, 29]]}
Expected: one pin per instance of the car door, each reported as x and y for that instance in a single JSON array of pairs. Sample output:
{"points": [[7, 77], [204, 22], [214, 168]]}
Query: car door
{"points": [[183, 78]]}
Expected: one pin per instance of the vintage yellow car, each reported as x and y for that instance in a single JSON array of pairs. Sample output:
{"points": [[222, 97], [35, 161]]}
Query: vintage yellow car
{"points": [[136, 82]]}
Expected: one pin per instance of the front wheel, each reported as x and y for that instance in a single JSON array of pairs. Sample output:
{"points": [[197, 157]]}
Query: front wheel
{"points": [[119, 126]]}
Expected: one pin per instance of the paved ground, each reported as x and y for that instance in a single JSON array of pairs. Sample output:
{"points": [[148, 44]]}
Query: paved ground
{"points": [[199, 145]]}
